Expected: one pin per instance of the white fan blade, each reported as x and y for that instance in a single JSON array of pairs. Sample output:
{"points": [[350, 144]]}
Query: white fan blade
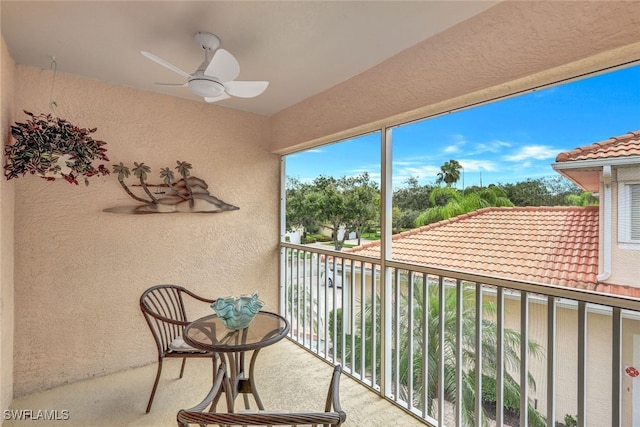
{"points": [[223, 66], [216, 98], [245, 89], [164, 63], [173, 84]]}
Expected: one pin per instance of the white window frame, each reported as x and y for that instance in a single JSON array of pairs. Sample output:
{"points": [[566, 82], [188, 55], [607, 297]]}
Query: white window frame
{"points": [[625, 240]]}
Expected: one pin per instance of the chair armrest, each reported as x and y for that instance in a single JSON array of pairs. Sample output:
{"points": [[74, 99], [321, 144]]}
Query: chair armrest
{"points": [[166, 319], [198, 297]]}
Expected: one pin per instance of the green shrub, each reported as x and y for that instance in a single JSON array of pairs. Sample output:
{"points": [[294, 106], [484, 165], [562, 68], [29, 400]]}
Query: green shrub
{"points": [[320, 237], [570, 421]]}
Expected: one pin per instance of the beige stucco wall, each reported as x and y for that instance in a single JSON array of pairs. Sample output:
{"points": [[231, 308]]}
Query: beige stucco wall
{"points": [[7, 83], [599, 358], [79, 271], [511, 47]]}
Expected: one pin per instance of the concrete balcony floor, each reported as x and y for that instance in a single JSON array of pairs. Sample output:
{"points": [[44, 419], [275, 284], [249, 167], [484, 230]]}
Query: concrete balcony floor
{"points": [[288, 377]]}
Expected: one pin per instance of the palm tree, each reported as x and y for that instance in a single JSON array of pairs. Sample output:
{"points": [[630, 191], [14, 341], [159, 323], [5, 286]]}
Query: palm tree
{"points": [[450, 173], [183, 169], [140, 171], [447, 203], [432, 322], [585, 198], [168, 177], [123, 172]]}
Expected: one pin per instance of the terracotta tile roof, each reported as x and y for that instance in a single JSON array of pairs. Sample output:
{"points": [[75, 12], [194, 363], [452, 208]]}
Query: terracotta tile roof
{"points": [[617, 146], [549, 245]]}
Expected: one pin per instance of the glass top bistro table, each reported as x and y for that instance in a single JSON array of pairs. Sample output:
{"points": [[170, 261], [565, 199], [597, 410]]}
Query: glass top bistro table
{"points": [[209, 334]]}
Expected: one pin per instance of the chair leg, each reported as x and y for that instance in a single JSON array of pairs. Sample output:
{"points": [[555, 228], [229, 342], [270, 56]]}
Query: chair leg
{"points": [[184, 360], [155, 385]]}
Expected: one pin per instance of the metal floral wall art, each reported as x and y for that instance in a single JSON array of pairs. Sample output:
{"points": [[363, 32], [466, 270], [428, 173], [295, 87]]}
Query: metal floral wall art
{"points": [[188, 194]]}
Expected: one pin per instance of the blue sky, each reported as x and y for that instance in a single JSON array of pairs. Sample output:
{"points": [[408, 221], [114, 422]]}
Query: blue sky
{"points": [[501, 142]]}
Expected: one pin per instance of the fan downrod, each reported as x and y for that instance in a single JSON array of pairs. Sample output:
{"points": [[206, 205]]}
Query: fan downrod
{"points": [[207, 41]]}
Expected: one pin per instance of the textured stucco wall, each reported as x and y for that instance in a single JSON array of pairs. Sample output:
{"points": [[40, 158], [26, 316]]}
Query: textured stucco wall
{"points": [[79, 271], [510, 47], [7, 195]]}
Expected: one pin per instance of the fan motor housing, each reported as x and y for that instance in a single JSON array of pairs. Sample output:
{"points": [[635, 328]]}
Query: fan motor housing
{"points": [[205, 86]]}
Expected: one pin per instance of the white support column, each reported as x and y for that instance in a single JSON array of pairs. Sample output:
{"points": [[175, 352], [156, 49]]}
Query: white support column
{"points": [[386, 191]]}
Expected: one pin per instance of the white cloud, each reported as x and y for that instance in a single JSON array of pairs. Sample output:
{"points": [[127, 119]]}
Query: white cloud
{"points": [[459, 140], [400, 163], [424, 173], [494, 146], [532, 152], [478, 165], [451, 149]]}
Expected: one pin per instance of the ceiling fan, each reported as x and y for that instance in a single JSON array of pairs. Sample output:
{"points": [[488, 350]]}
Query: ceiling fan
{"points": [[214, 79]]}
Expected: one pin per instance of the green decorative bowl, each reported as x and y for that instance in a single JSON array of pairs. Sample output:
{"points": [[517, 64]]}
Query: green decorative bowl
{"points": [[237, 312]]}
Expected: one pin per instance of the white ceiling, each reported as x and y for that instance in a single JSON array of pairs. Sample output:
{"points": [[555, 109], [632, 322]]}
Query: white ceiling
{"points": [[300, 47]]}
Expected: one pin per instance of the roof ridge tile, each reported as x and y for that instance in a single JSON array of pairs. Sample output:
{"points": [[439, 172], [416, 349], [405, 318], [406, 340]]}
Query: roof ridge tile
{"points": [[600, 145]]}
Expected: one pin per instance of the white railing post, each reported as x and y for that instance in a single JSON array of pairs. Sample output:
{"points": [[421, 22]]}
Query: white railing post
{"points": [[500, 357], [459, 349], [551, 361], [425, 345], [410, 330], [374, 328], [582, 364], [616, 369], [478, 362], [441, 347], [524, 359]]}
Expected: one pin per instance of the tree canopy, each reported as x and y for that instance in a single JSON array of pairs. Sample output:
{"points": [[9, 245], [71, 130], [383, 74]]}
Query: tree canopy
{"points": [[549, 191], [342, 205], [352, 204], [449, 173], [448, 202]]}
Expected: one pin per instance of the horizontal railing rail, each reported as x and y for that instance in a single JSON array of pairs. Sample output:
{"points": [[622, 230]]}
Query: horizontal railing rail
{"points": [[465, 347], [612, 300]]}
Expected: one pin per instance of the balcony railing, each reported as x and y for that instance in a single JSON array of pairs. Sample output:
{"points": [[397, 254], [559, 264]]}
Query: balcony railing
{"points": [[458, 349]]}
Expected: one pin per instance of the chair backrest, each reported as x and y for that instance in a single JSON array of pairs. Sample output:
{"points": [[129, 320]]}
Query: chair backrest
{"points": [[163, 309], [333, 414], [333, 394]]}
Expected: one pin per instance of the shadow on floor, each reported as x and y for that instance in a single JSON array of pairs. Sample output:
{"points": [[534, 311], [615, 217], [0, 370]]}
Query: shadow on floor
{"points": [[288, 377]]}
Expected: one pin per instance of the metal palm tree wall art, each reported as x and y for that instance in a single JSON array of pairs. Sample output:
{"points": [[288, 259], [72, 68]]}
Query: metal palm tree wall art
{"points": [[188, 194]]}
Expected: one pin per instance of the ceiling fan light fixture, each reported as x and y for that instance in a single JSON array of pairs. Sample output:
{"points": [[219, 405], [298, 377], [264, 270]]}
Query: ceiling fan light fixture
{"points": [[206, 87], [215, 79]]}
